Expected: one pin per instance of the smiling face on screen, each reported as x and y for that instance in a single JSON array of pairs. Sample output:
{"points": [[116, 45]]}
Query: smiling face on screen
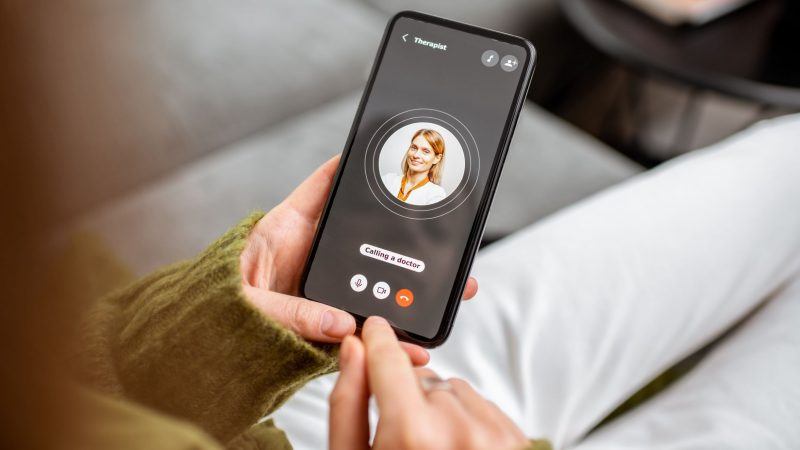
{"points": [[425, 154]]}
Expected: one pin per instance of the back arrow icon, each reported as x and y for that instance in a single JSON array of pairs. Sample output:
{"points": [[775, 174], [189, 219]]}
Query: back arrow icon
{"points": [[404, 37]]}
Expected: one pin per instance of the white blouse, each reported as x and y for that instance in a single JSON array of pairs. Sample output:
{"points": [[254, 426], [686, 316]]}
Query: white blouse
{"points": [[426, 194]]}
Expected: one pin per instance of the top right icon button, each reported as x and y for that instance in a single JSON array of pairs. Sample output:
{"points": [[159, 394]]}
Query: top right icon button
{"points": [[509, 63], [490, 58]]}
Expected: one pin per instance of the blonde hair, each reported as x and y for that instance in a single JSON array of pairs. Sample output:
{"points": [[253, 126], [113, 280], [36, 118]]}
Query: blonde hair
{"points": [[437, 144]]}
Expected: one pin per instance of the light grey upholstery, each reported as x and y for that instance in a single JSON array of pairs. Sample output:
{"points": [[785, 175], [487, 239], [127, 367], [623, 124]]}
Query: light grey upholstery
{"points": [[135, 89], [549, 165], [162, 122]]}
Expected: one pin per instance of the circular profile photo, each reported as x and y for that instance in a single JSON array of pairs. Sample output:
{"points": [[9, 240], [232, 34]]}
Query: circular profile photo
{"points": [[421, 163]]}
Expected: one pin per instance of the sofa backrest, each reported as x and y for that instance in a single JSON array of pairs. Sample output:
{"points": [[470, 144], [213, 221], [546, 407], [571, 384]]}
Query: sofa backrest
{"points": [[112, 93]]}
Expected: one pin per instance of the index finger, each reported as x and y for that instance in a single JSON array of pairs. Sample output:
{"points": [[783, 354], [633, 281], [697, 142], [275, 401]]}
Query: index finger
{"points": [[389, 370]]}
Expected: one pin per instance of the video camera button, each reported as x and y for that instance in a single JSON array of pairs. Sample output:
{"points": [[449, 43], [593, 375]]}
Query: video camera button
{"points": [[358, 283], [381, 290]]}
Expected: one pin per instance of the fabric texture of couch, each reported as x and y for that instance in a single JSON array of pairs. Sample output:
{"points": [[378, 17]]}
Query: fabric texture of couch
{"points": [[172, 120]]}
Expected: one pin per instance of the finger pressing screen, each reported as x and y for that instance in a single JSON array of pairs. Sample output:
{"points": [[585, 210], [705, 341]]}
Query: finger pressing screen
{"points": [[389, 369], [349, 400]]}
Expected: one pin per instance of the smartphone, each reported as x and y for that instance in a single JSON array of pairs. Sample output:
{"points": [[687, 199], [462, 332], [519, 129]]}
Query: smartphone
{"points": [[410, 197]]}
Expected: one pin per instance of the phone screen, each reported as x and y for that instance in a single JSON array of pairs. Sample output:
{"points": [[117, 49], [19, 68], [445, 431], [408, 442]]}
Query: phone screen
{"points": [[410, 191]]}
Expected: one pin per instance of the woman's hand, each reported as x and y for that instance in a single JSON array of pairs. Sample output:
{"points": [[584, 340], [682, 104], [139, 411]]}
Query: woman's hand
{"points": [[272, 264], [417, 409]]}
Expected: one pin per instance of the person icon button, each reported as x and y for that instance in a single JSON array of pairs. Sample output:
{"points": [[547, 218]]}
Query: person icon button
{"points": [[509, 63]]}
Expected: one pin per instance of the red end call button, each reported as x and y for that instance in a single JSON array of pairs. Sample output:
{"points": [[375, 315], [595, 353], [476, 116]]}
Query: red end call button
{"points": [[404, 298]]}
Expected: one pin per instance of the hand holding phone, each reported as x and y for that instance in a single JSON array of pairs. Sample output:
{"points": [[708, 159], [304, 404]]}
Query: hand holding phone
{"points": [[410, 198], [272, 262]]}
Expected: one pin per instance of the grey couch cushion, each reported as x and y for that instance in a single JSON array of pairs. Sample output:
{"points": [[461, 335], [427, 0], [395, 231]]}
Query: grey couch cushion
{"points": [[549, 166], [119, 92]]}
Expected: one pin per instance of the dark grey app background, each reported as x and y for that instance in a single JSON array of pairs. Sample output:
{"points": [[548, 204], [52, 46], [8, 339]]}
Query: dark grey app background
{"points": [[413, 76]]}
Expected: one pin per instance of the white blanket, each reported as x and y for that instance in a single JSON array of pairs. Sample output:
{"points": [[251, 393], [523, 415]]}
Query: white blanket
{"points": [[580, 310]]}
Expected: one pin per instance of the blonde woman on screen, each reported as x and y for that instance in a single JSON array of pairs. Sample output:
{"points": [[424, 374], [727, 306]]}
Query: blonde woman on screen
{"points": [[420, 178]]}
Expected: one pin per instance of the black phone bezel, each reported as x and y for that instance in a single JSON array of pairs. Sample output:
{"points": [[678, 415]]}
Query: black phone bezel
{"points": [[476, 234]]}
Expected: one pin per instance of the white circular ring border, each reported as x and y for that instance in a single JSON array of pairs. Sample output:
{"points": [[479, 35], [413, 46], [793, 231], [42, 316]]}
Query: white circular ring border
{"points": [[477, 157], [452, 196]]}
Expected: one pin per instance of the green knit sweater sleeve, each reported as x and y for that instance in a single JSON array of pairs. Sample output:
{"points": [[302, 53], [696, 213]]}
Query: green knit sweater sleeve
{"points": [[185, 342], [539, 444]]}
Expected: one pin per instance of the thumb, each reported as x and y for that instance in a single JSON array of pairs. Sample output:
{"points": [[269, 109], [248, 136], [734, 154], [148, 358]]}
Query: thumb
{"points": [[311, 320], [348, 424], [309, 197]]}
